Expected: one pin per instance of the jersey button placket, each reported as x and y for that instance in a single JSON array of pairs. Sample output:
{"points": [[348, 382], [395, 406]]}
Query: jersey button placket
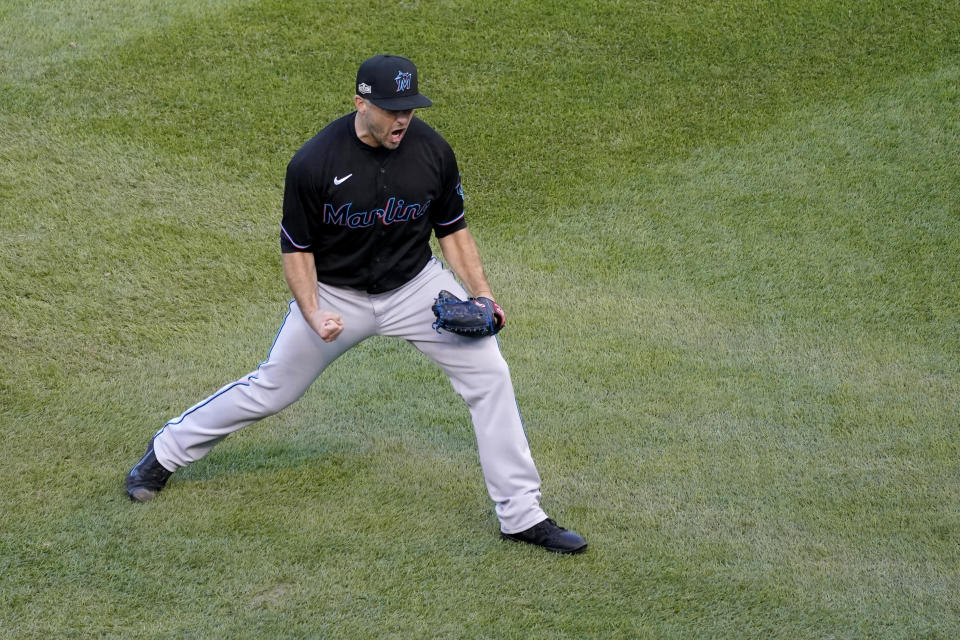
{"points": [[382, 188]]}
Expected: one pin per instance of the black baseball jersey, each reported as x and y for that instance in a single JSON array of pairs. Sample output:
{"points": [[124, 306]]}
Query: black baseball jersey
{"points": [[366, 213]]}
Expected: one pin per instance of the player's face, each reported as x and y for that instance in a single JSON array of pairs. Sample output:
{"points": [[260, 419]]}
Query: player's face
{"points": [[379, 127]]}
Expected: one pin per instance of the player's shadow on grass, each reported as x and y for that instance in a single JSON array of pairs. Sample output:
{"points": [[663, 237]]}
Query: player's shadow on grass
{"points": [[332, 457]]}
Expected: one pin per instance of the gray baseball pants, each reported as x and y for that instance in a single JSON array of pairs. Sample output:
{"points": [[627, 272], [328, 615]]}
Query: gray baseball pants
{"points": [[476, 369]]}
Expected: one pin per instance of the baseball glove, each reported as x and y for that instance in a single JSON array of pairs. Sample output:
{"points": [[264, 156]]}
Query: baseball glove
{"points": [[474, 318]]}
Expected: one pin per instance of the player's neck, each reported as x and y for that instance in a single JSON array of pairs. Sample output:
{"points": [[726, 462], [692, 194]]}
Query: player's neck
{"points": [[363, 133]]}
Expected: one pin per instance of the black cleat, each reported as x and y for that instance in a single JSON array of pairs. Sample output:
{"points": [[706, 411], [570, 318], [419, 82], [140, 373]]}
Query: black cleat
{"points": [[147, 477], [550, 536]]}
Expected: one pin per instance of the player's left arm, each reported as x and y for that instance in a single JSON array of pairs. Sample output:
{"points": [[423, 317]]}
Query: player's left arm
{"points": [[460, 251]]}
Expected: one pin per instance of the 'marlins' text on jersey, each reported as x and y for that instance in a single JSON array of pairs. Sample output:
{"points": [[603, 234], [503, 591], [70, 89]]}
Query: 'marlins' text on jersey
{"points": [[393, 211]]}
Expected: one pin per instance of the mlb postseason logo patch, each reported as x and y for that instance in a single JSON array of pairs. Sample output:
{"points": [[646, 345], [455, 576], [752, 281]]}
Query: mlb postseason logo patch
{"points": [[403, 80], [364, 88]]}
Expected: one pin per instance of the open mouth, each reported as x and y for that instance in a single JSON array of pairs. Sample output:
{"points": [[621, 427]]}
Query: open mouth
{"points": [[397, 134]]}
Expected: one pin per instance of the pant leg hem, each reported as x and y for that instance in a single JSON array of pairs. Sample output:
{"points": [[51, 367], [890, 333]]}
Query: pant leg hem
{"points": [[526, 523]]}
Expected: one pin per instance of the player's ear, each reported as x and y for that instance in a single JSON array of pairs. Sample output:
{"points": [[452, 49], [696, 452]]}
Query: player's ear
{"points": [[360, 104]]}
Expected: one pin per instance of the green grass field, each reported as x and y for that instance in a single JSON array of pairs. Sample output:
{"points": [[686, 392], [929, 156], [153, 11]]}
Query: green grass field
{"points": [[727, 237]]}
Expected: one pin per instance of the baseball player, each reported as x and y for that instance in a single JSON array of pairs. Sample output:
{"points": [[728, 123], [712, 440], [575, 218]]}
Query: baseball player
{"points": [[360, 202]]}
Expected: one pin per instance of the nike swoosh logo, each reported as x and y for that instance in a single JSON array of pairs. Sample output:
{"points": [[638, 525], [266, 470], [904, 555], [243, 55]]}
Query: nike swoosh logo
{"points": [[338, 181]]}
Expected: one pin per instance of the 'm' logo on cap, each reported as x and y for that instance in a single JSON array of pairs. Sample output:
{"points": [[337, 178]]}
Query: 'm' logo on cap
{"points": [[403, 80]]}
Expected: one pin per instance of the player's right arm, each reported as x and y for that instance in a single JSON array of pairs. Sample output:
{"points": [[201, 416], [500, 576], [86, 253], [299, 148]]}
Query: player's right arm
{"points": [[300, 272], [299, 269]]}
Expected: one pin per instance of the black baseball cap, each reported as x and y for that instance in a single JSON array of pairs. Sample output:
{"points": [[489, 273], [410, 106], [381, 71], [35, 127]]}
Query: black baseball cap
{"points": [[390, 82]]}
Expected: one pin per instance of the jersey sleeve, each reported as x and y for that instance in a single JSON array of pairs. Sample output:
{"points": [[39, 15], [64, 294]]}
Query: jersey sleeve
{"points": [[447, 214], [295, 232]]}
